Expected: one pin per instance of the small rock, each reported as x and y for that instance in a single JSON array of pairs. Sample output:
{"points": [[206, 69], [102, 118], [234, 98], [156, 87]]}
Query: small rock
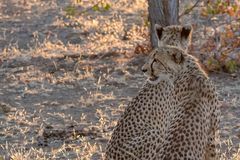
{"points": [[4, 108], [33, 84], [234, 75]]}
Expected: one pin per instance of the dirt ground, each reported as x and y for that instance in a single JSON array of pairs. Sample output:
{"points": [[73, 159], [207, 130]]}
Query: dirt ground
{"points": [[64, 81]]}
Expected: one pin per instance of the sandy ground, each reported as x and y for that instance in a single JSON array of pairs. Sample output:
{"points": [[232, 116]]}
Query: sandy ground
{"points": [[64, 82]]}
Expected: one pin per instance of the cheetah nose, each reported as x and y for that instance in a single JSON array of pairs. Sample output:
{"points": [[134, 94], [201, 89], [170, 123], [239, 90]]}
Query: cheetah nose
{"points": [[144, 70]]}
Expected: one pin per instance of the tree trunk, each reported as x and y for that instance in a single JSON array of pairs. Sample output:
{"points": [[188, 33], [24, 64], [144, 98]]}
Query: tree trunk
{"points": [[164, 13]]}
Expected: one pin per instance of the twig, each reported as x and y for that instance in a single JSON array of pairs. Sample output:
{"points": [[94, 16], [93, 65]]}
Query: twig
{"points": [[72, 55], [189, 9]]}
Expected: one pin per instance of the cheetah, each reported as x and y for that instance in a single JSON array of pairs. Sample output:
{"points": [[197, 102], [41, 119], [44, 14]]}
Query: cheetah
{"points": [[174, 116], [194, 116]]}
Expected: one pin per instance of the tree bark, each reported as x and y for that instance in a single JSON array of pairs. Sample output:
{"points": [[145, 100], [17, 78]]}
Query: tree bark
{"points": [[164, 13]]}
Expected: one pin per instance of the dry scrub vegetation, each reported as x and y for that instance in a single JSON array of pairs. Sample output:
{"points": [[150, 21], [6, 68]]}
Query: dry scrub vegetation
{"points": [[69, 68]]}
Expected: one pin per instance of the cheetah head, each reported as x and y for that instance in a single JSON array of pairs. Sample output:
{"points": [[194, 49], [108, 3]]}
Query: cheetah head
{"points": [[175, 35], [164, 63]]}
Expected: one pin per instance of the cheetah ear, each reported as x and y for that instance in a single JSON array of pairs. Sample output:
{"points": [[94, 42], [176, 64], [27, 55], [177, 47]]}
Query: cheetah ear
{"points": [[158, 30], [186, 32]]}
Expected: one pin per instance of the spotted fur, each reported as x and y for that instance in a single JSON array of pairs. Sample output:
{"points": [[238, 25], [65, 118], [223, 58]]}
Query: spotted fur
{"points": [[175, 117]]}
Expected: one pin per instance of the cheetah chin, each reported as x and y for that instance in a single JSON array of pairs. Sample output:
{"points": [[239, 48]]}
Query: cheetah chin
{"points": [[157, 79]]}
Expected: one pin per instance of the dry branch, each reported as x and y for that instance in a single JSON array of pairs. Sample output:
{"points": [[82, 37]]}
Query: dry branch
{"points": [[189, 9]]}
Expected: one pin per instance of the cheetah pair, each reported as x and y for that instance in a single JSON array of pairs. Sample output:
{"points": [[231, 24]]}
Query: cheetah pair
{"points": [[175, 116]]}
